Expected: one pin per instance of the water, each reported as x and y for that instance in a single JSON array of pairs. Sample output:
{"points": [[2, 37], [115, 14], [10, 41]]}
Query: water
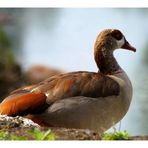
{"points": [[64, 38]]}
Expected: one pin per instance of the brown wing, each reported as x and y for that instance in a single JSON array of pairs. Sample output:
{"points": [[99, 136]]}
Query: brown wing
{"points": [[86, 84], [23, 89], [23, 103], [33, 99]]}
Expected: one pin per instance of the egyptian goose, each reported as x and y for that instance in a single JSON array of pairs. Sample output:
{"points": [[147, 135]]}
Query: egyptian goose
{"points": [[84, 100]]}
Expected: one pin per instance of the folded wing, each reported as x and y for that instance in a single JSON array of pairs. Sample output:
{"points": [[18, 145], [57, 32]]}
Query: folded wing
{"points": [[35, 99]]}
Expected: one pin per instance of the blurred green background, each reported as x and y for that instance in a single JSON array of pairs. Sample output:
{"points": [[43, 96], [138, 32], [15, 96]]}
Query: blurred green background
{"points": [[64, 38]]}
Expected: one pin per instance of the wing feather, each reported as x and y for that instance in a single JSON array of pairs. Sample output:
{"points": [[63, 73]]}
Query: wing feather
{"points": [[85, 84], [34, 99], [23, 103]]}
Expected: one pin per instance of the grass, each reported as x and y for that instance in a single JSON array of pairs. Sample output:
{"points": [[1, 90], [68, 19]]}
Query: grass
{"points": [[8, 136], [47, 134], [121, 135], [35, 134]]}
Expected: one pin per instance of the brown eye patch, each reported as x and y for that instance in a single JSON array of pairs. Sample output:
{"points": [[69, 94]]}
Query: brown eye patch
{"points": [[117, 34]]}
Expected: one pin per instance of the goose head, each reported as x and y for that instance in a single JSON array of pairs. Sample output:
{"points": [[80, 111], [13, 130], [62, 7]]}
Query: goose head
{"points": [[108, 41], [111, 39]]}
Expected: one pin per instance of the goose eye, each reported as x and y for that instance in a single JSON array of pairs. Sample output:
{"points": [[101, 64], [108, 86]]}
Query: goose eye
{"points": [[117, 34]]}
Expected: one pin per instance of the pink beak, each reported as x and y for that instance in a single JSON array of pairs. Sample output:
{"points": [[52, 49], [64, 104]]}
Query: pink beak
{"points": [[128, 46]]}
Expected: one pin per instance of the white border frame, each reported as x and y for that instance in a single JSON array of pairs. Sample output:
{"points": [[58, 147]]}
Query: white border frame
{"points": [[74, 3]]}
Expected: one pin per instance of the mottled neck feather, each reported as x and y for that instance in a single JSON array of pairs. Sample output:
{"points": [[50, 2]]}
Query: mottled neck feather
{"points": [[105, 61]]}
